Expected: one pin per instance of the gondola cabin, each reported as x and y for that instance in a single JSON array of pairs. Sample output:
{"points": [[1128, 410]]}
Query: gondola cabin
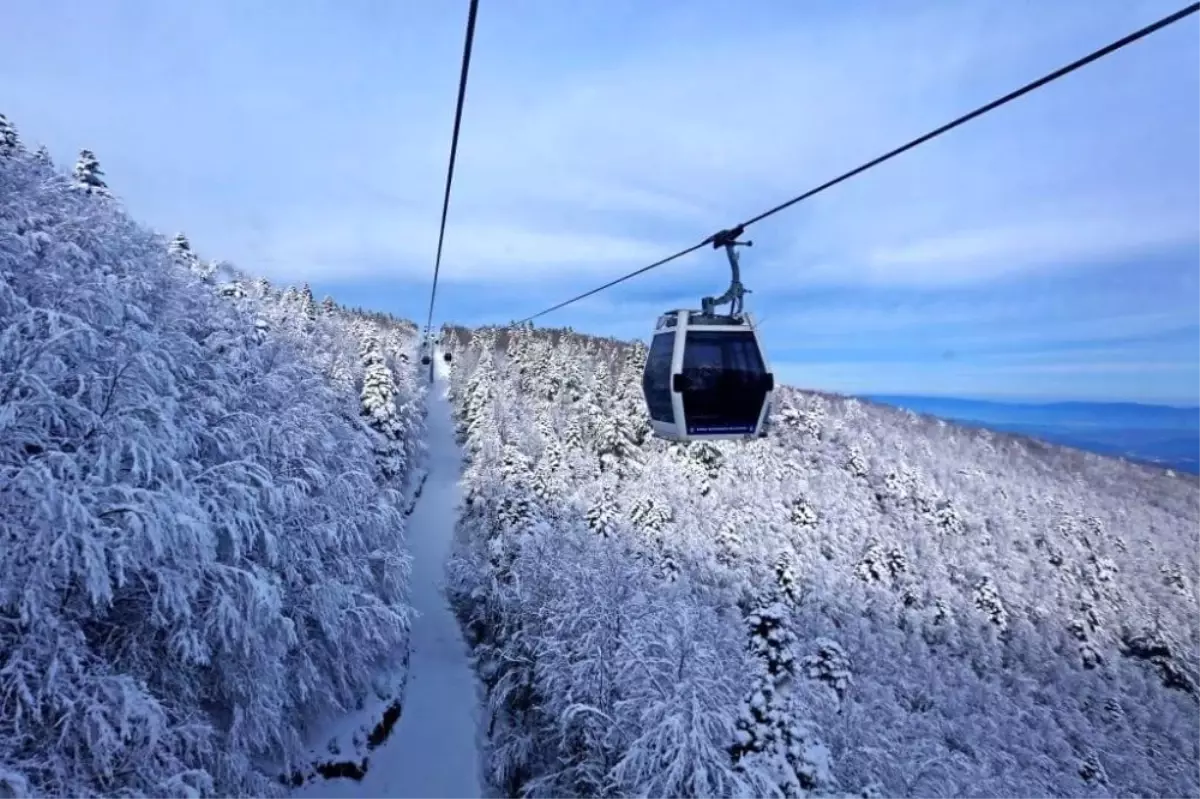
{"points": [[446, 357], [707, 378]]}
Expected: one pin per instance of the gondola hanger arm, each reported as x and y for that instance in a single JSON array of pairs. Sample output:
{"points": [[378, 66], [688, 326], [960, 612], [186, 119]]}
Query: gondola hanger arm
{"points": [[734, 295]]}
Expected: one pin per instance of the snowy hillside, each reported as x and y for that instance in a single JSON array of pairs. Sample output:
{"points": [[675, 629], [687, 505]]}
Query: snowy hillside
{"points": [[205, 564], [867, 601], [202, 498]]}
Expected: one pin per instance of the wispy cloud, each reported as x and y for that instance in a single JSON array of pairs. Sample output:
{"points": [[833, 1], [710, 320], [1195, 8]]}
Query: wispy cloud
{"points": [[374, 243], [625, 159], [1061, 239]]}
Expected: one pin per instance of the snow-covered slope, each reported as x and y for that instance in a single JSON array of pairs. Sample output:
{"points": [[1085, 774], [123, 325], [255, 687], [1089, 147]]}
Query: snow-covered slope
{"points": [[201, 503], [429, 747], [203, 561], [434, 752], [868, 600]]}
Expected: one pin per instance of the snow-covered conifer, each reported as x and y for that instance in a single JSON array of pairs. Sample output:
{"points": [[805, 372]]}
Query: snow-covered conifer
{"points": [[378, 405], [786, 580], [89, 176], [602, 515], [830, 665], [181, 250], [9, 141], [802, 512], [729, 542], [308, 302]]}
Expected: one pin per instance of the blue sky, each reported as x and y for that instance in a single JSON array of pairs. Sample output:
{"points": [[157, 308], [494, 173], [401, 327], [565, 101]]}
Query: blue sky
{"points": [[1049, 250]]}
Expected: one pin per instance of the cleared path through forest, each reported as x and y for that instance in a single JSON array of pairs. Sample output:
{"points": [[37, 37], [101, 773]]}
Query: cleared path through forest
{"points": [[433, 749]]}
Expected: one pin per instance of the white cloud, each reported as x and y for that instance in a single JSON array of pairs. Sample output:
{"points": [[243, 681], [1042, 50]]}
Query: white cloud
{"points": [[374, 244], [1006, 246], [584, 157], [1014, 242], [962, 325], [689, 135]]}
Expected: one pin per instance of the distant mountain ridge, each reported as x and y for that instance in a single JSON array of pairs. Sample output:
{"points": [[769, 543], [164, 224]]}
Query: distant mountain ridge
{"points": [[1164, 435]]}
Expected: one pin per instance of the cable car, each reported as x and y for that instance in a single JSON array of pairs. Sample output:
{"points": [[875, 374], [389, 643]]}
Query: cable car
{"points": [[426, 347], [706, 375], [446, 356]]}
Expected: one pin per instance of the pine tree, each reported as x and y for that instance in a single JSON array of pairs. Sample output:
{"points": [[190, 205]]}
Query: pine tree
{"points": [[515, 511], [881, 564], [802, 513], [89, 176], [769, 725], [181, 250], [830, 665], [546, 483], [612, 443], [290, 298], [378, 405], [571, 381], [771, 642], [650, 514], [9, 142], [42, 156], [988, 600], [602, 515], [785, 579], [630, 403], [575, 437], [328, 306], [308, 302], [729, 542], [707, 455]]}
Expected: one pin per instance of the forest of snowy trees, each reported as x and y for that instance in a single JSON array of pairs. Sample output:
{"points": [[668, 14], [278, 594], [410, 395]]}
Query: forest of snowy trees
{"points": [[868, 602], [203, 486], [203, 489]]}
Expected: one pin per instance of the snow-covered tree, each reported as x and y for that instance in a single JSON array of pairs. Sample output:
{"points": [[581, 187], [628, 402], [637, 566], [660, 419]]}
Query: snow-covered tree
{"points": [[9, 141], [181, 249], [770, 732], [308, 302], [188, 564], [602, 515], [89, 176], [379, 407]]}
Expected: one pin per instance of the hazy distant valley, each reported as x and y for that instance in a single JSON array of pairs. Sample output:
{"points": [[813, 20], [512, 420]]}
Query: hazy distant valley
{"points": [[1163, 435]]}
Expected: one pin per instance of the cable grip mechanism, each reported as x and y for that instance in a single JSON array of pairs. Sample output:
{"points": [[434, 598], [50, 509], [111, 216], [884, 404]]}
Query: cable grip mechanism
{"points": [[736, 291]]}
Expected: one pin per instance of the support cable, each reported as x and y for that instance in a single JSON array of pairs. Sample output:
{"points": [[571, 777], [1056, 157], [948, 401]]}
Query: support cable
{"points": [[1095, 55]]}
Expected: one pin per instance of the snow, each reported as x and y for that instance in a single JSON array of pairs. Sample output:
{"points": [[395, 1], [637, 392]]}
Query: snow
{"points": [[199, 548], [866, 603], [433, 750], [224, 479]]}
